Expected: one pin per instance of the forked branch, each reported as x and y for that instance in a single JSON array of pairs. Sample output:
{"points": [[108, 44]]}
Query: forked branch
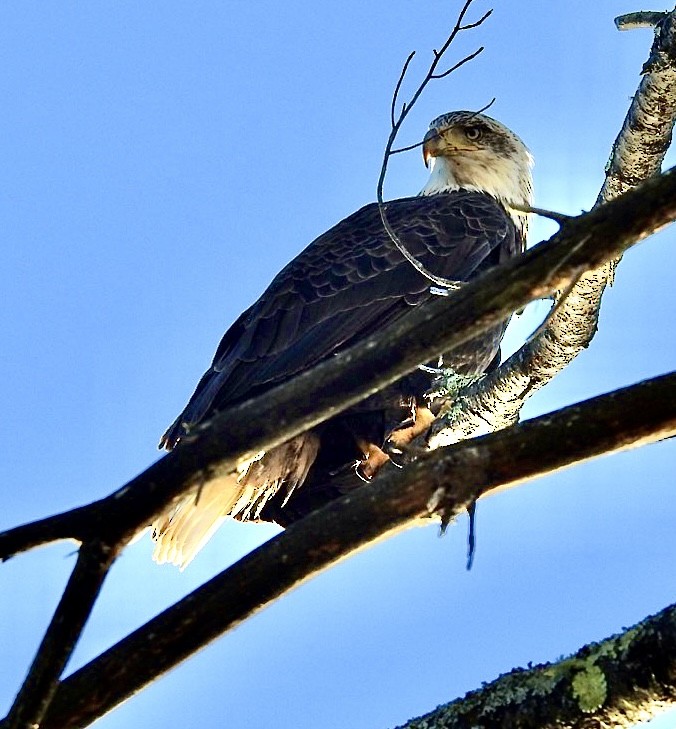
{"points": [[398, 120], [449, 479]]}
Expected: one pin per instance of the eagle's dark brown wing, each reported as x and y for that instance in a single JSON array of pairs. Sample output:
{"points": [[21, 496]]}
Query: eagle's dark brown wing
{"points": [[347, 283]]}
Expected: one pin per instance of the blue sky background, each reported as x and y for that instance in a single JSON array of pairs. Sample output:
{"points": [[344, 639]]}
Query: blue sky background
{"points": [[160, 162]]}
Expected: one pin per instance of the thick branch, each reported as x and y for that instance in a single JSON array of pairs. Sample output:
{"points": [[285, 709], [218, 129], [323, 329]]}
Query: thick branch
{"points": [[345, 379], [451, 478], [626, 679], [637, 155]]}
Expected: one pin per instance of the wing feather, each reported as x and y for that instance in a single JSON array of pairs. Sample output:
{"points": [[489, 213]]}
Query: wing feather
{"points": [[346, 284]]}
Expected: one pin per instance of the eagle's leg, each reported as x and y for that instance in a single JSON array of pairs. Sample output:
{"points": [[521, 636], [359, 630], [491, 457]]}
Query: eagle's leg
{"points": [[374, 459], [405, 433]]}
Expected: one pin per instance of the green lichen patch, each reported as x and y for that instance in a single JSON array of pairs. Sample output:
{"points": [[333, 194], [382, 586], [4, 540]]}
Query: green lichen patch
{"points": [[590, 688]]}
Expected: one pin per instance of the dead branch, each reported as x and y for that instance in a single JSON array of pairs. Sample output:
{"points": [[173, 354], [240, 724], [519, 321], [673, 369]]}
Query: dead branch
{"points": [[397, 121], [637, 155], [215, 448], [626, 679], [323, 391], [449, 479]]}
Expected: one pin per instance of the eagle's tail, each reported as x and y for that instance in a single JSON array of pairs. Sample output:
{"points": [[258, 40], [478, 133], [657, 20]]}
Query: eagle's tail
{"points": [[182, 532]]}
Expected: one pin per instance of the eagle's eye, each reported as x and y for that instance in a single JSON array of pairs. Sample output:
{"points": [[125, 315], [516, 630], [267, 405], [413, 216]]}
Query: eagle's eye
{"points": [[473, 133]]}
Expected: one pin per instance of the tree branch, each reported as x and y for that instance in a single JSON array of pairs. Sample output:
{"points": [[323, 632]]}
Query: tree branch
{"points": [[626, 679], [398, 121], [313, 396], [640, 19], [215, 448], [446, 481], [637, 155]]}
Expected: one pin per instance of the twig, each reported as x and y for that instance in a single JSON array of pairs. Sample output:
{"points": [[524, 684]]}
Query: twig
{"points": [[620, 420], [397, 123], [347, 378], [560, 218], [398, 87], [463, 61]]}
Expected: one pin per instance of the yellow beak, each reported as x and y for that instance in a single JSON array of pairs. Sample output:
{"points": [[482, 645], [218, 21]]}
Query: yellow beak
{"points": [[431, 146]]}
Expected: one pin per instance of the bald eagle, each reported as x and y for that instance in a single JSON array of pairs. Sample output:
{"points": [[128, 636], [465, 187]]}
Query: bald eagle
{"points": [[347, 284]]}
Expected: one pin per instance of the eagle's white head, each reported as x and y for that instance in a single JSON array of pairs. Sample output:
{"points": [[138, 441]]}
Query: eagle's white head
{"points": [[470, 151]]}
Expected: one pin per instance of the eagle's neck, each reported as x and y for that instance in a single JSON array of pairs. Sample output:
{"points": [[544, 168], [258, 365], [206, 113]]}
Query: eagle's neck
{"points": [[507, 183]]}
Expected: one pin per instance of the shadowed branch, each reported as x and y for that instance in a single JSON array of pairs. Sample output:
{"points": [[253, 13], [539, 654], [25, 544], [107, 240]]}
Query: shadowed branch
{"points": [[216, 447], [447, 479]]}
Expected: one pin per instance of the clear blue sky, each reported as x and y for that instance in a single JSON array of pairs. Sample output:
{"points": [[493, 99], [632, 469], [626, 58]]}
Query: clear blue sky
{"points": [[160, 162]]}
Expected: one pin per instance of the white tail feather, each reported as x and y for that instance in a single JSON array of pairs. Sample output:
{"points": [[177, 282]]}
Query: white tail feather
{"points": [[181, 533]]}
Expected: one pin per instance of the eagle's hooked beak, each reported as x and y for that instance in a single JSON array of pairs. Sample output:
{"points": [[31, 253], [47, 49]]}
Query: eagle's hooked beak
{"points": [[431, 146]]}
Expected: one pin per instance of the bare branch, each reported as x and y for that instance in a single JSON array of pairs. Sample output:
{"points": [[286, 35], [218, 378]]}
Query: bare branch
{"points": [[73, 525], [559, 218], [398, 87], [75, 606], [456, 66], [452, 477], [645, 137], [334, 385], [476, 24], [396, 126]]}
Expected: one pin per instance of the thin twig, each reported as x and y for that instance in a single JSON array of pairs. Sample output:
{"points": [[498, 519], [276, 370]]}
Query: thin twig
{"points": [[460, 63], [469, 26], [560, 218], [398, 87], [396, 126]]}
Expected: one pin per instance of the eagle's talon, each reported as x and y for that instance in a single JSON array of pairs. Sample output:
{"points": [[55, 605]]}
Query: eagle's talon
{"points": [[374, 459], [406, 432], [401, 455], [408, 423], [358, 470]]}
